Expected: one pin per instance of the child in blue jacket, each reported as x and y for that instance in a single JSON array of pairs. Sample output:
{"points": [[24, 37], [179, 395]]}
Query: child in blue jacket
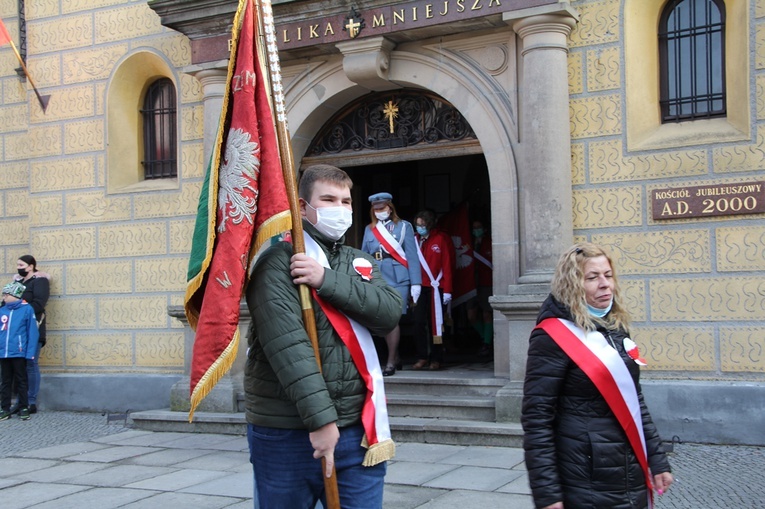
{"points": [[18, 342]]}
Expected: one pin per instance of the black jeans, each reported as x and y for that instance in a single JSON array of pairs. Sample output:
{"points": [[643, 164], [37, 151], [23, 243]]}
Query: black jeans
{"points": [[423, 337], [13, 369]]}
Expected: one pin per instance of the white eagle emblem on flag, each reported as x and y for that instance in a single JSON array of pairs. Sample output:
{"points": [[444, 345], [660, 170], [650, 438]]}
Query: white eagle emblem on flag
{"points": [[461, 250], [237, 174]]}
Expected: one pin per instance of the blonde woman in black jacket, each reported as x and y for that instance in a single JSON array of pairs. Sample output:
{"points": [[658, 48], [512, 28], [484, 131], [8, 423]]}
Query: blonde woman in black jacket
{"points": [[589, 440]]}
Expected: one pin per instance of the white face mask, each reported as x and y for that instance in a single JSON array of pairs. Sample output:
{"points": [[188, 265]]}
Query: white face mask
{"points": [[382, 216], [332, 221]]}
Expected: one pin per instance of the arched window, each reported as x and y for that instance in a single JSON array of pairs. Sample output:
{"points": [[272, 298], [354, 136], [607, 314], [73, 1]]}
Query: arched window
{"points": [[692, 60], [159, 131]]}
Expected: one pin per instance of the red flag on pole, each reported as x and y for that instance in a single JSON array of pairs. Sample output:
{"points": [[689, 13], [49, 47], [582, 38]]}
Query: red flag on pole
{"points": [[243, 204], [457, 225], [5, 38]]}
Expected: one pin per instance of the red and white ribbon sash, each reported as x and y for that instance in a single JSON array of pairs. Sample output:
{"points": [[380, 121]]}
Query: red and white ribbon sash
{"points": [[390, 244], [437, 314], [605, 368], [358, 340]]}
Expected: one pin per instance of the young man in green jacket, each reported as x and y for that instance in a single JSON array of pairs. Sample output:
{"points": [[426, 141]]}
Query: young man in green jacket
{"points": [[296, 413]]}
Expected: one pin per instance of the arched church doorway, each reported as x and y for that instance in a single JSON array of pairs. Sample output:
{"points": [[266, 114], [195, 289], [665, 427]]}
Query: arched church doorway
{"points": [[418, 147]]}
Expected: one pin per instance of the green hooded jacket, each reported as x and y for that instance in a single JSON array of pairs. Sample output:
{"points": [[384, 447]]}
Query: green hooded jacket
{"points": [[282, 383]]}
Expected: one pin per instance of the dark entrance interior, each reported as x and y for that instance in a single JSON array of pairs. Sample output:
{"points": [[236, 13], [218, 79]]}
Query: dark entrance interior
{"points": [[440, 184]]}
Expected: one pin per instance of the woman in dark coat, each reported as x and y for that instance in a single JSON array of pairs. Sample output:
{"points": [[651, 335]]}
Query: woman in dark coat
{"points": [[36, 294], [583, 372]]}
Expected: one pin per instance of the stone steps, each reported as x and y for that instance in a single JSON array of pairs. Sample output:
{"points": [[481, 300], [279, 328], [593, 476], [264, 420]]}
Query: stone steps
{"points": [[442, 395], [456, 432], [469, 409], [444, 383], [403, 429], [454, 407]]}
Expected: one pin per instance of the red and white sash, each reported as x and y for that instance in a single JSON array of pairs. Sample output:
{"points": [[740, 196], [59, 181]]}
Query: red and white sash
{"points": [[483, 260], [390, 244], [358, 340], [437, 314], [605, 368]]}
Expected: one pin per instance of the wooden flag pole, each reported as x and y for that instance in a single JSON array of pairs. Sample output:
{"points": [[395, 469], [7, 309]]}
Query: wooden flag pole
{"points": [[42, 98], [271, 55]]}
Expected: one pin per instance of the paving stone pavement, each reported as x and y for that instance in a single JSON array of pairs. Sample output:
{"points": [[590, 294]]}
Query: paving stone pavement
{"points": [[68, 460]]}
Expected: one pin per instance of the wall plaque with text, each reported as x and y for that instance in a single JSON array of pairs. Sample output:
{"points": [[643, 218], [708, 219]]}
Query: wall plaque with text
{"points": [[709, 200]]}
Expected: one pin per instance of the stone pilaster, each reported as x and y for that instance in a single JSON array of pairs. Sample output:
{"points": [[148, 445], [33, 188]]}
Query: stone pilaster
{"points": [[544, 175], [544, 181], [213, 82]]}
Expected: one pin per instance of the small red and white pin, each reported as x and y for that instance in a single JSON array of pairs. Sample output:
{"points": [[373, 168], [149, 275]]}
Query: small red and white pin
{"points": [[364, 268], [632, 351]]}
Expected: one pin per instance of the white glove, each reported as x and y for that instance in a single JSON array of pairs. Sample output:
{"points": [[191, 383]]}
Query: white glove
{"points": [[447, 298], [414, 291]]}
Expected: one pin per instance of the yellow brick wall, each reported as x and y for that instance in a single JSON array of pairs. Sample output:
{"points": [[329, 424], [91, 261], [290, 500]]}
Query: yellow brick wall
{"points": [[696, 286], [117, 261]]}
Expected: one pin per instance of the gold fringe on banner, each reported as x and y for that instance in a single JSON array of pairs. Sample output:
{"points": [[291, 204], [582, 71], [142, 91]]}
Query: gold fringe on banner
{"points": [[213, 375]]}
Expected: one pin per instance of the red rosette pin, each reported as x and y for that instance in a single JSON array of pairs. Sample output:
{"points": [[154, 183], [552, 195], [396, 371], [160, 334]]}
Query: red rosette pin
{"points": [[364, 268], [632, 351]]}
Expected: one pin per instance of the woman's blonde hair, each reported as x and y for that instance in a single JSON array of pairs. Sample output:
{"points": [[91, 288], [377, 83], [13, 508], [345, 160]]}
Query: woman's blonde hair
{"points": [[568, 288], [393, 214]]}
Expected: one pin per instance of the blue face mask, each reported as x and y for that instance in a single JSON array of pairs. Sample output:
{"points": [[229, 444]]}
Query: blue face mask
{"points": [[422, 230], [600, 313]]}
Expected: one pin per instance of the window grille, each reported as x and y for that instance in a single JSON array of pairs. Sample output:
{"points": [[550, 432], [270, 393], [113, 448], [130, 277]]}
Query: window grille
{"points": [[692, 59], [159, 131]]}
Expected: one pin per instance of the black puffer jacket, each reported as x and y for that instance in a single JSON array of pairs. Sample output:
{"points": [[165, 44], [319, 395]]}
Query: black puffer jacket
{"points": [[36, 294], [576, 451]]}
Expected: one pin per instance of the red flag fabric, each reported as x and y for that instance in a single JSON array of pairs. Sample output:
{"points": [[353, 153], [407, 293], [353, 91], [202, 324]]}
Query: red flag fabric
{"points": [[243, 204], [5, 37], [457, 225]]}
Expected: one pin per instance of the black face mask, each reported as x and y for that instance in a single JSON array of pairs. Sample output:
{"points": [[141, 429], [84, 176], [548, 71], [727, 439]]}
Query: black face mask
{"points": [[22, 272]]}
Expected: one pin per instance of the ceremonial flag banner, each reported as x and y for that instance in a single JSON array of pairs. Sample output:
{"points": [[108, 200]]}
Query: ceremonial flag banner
{"points": [[5, 37], [456, 224], [243, 204]]}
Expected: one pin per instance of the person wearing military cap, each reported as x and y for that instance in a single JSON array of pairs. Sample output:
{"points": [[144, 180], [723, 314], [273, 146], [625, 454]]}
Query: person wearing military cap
{"points": [[390, 240], [18, 342]]}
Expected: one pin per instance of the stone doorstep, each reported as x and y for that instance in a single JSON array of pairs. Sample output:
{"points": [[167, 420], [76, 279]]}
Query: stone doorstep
{"points": [[418, 399], [442, 384], [204, 422], [416, 405], [456, 426], [456, 432], [405, 429], [434, 384]]}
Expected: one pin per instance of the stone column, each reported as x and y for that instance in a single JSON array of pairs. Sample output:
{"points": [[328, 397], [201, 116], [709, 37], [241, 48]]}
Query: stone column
{"points": [[213, 88], [544, 181], [544, 175]]}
